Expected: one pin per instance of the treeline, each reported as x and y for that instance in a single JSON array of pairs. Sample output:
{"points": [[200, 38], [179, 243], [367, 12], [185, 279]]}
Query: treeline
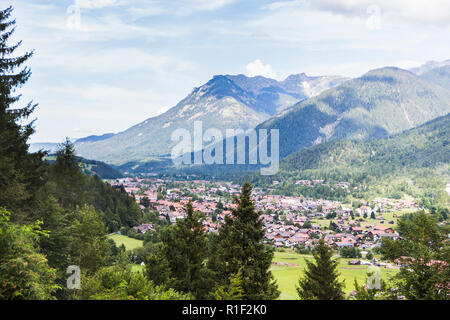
{"points": [[51, 215], [93, 167], [71, 188], [414, 163]]}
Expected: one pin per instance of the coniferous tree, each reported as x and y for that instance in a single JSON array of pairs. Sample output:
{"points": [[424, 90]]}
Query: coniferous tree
{"points": [[232, 291], [68, 182], [185, 248], [321, 279], [239, 247], [21, 173], [157, 268]]}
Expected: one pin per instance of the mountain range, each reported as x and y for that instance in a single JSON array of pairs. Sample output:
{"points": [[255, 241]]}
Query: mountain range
{"points": [[224, 102], [380, 103], [306, 110]]}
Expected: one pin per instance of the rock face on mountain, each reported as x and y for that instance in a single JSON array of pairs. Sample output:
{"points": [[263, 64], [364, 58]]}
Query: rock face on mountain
{"points": [[225, 102], [380, 103]]}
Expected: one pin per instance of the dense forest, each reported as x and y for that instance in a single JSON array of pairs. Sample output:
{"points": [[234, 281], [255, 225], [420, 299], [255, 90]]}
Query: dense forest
{"points": [[413, 163], [92, 167]]}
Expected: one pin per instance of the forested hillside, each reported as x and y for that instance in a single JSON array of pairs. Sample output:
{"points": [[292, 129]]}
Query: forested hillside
{"points": [[414, 163], [425, 146], [51, 215], [93, 167], [380, 103]]}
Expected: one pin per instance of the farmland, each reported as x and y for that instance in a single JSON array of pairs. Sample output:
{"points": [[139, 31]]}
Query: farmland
{"points": [[128, 242], [287, 276]]}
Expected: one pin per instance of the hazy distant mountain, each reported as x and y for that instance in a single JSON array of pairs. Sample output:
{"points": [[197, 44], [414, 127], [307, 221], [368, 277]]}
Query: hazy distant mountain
{"points": [[225, 102], [45, 146], [52, 146], [429, 66], [92, 167], [440, 76], [380, 103], [94, 138]]}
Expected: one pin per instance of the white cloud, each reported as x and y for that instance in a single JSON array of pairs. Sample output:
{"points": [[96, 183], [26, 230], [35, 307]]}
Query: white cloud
{"points": [[151, 10], [93, 108], [113, 27], [284, 4], [112, 95], [106, 61], [144, 8], [436, 12], [95, 4], [257, 68], [211, 4]]}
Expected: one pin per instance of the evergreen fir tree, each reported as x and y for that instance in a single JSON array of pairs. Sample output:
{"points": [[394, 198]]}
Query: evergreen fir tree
{"points": [[68, 182], [185, 248], [21, 173], [239, 247], [321, 279], [232, 291]]}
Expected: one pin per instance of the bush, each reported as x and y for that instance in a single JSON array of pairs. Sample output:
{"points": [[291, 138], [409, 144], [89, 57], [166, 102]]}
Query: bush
{"points": [[352, 252]]}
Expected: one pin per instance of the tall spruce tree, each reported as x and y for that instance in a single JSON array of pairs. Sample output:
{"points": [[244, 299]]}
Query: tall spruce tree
{"points": [[21, 173], [239, 250], [68, 184], [321, 279], [185, 248]]}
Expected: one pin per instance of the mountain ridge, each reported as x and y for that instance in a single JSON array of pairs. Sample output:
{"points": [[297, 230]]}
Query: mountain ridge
{"points": [[224, 102], [382, 102]]}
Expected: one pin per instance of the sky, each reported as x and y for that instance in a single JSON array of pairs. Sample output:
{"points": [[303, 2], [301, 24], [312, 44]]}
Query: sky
{"points": [[102, 66]]}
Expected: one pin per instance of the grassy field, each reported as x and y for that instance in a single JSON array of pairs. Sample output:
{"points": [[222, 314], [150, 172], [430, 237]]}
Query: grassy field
{"points": [[388, 216], [129, 243], [287, 276]]}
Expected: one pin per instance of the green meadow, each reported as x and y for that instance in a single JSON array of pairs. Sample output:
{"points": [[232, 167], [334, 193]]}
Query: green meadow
{"points": [[129, 243], [388, 216], [287, 276]]}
